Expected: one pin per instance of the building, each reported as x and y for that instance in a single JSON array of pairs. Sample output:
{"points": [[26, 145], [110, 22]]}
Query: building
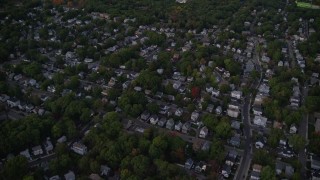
{"points": [[188, 164], [236, 94], [70, 176], [203, 132], [170, 124], [186, 127], [194, 116], [37, 150], [226, 170], [315, 162], [260, 121], [154, 119], [178, 126], [104, 170], [79, 148]]}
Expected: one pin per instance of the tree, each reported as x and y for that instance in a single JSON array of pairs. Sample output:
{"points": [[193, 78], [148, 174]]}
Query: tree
{"points": [[268, 173], [195, 92], [153, 108], [274, 137], [210, 121], [141, 165], [73, 83], [217, 150], [16, 168], [223, 129], [297, 141]]}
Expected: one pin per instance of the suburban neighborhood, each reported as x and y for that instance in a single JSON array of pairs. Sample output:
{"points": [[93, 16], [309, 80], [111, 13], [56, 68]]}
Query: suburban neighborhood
{"points": [[88, 93]]}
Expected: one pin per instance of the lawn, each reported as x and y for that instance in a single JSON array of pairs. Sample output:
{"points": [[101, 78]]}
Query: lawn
{"points": [[307, 5]]}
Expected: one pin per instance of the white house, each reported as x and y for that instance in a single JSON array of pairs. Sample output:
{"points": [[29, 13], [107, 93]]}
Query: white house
{"points": [[154, 119], [293, 129], [260, 121], [37, 150], [178, 112], [178, 126], [233, 113], [215, 93], [79, 148], [203, 132], [194, 116], [236, 94]]}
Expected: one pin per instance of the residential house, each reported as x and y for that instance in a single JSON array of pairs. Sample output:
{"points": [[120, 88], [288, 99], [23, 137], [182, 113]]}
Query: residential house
{"points": [[178, 126], [186, 127], [162, 122], [29, 107], [145, 116], [195, 116], [315, 162], [13, 102], [154, 119], [257, 168], [4, 98], [260, 121], [226, 170], [48, 145], [176, 85], [218, 110], [257, 110], [139, 89], [293, 129], [235, 141], [70, 176], [215, 93], [255, 175], [79, 148], [22, 106], [236, 94], [203, 132], [37, 150], [264, 88], [289, 171], [188, 164], [178, 112], [279, 167], [62, 139], [256, 171], [233, 113], [170, 124], [209, 88], [126, 84], [26, 154], [200, 167], [258, 100], [235, 124], [104, 170]]}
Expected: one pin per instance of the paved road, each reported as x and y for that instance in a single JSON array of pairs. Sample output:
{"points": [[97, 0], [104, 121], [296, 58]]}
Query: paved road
{"points": [[244, 166], [303, 131], [247, 155]]}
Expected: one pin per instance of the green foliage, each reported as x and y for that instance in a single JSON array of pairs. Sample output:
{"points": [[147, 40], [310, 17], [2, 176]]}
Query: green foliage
{"points": [[274, 137], [210, 121], [15, 168], [223, 129], [262, 157], [149, 80], [268, 173], [298, 142], [20, 134]]}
